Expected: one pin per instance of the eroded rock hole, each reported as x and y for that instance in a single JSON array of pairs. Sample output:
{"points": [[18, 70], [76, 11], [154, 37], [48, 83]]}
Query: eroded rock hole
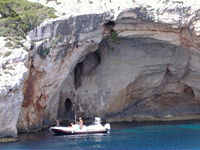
{"points": [[86, 67], [66, 109], [109, 24], [68, 105], [92, 60], [188, 90], [77, 75], [108, 27]]}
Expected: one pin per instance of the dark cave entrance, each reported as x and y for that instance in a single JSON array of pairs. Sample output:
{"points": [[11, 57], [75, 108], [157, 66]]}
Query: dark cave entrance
{"points": [[66, 110], [69, 111], [68, 104]]}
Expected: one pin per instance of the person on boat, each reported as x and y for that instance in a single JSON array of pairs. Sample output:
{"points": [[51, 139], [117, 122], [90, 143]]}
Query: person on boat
{"points": [[80, 123], [57, 123]]}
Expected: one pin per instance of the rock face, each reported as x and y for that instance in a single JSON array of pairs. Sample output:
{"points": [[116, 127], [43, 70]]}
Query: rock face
{"points": [[51, 62], [136, 79], [146, 84], [13, 73], [135, 60]]}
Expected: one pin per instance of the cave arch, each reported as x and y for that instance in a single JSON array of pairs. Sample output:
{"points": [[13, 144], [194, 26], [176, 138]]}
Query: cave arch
{"points": [[143, 73]]}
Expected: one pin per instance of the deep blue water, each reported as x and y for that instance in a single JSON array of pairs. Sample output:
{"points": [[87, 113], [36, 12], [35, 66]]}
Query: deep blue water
{"points": [[143, 136]]}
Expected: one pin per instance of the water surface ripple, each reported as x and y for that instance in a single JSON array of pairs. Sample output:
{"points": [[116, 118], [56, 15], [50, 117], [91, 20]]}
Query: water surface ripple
{"points": [[140, 136]]}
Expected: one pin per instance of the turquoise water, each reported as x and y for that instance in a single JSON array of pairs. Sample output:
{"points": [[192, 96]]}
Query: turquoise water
{"points": [[142, 136]]}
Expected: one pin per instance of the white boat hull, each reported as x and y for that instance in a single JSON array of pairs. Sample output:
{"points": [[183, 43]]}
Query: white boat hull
{"points": [[77, 130]]}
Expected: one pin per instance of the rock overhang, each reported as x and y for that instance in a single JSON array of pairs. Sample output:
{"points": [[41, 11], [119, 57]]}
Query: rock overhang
{"points": [[173, 23]]}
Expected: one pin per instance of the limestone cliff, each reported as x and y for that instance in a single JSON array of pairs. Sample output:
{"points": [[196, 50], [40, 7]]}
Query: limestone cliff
{"points": [[13, 73], [135, 62], [120, 60]]}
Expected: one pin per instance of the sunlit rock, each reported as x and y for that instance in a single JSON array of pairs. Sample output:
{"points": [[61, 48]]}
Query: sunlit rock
{"points": [[13, 73]]}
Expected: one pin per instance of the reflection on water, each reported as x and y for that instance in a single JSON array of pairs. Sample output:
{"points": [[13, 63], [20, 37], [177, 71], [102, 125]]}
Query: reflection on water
{"points": [[142, 135]]}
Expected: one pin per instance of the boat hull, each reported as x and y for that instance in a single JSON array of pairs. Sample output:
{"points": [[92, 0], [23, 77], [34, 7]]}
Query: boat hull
{"points": [[95, 127], [62, 132]]}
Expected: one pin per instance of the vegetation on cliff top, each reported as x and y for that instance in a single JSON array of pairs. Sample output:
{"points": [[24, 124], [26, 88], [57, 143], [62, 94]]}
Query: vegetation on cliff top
{"points": [[17, 17]]}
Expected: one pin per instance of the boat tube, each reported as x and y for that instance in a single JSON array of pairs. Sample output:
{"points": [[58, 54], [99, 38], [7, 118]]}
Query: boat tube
{"points": [[95, 127]]}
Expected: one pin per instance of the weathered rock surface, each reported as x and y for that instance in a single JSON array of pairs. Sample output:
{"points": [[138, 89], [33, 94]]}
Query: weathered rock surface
{"points": [[151, 74], [13, 73], [66, 41], [77, 66]]}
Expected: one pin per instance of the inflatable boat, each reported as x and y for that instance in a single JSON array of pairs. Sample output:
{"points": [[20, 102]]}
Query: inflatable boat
{"points": [[95, 127]]}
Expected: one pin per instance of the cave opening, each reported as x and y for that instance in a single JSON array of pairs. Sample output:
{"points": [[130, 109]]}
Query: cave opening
{"points": [[66, 110], [108, 27], [142, 76], [109, 24], [68, 104], [77, 75], [145, 72]]}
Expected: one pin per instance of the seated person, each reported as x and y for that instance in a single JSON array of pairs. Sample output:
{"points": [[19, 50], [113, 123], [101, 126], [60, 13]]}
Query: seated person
{"points": [[80, 123], [57, 123]]}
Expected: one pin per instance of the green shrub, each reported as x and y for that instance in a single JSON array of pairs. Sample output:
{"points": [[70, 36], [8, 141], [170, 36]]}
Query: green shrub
{"points": [[21, 16], [114, 37], [43, 52]]}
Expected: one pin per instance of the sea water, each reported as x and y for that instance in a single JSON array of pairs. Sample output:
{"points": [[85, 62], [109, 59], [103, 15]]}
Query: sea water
{"points": [[140, 136]]}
